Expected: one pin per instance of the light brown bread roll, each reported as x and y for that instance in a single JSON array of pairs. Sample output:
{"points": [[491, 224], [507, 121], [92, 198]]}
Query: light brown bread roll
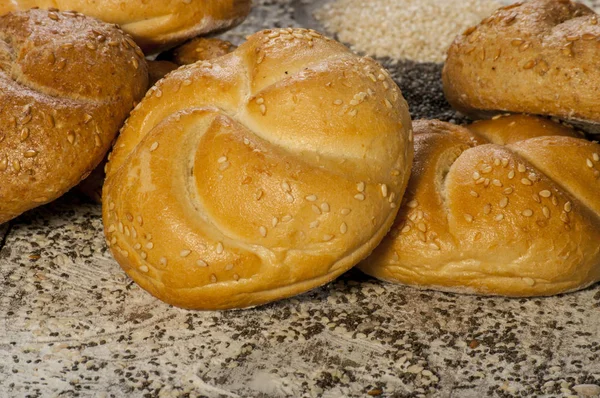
{"points": [[257, 176], [538, 57], [198, 49], [507, 207], [67, 83], [153, 24]]}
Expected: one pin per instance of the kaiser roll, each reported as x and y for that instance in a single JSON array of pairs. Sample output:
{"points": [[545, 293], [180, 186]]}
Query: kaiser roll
{"points": [[259, 175], [154, 24], [538, 57], [67, 83], [506, 207]]}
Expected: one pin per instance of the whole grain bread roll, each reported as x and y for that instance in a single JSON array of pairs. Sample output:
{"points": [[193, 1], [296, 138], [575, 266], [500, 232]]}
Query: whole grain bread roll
{"points": [[259, 175], [506, 207], [538, 57], [67, 83], [153, 24]]}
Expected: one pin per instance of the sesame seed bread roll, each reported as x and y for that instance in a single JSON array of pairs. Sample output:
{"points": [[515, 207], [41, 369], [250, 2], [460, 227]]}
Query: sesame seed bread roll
{"points": [[537, 57], [153, 24], [67, 84], [504, 207], [259, 175]]}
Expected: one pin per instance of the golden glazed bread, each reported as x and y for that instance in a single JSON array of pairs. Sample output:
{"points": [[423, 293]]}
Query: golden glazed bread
{"points": [[538, 57], [67, 83], [154, 24], [507, 207], [198, 49], [259, 175]]}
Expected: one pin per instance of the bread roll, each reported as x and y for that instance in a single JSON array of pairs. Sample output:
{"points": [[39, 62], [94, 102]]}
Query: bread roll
{"points": [[507, 207], [67, 83], [257, 176], [198, 49], [538, 57], [153, 24]]}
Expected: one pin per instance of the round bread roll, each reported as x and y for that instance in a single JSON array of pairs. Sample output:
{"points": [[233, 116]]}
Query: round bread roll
{"points": [[507, 207], [198, 49], [153, 24], [257, 176], [538, 57], [159, 69], [67, 83]]}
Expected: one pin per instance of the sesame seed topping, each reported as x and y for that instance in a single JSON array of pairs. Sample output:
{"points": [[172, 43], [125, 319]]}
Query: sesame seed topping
{"points": [[311, 198], [228, 267], [140, 220], [568, 207], [434, 246], [527, 213], [111, 228], [526, 181], [474, 194], [384, 190], [263, 231], [511, 174], [564, 217], [589, 163], [345, 212], [137, 246], [201, 263], [120, 227], [30, 153], [149, 245], [263, 109], [412, 204], [236, 277], [529, 281], [422, 227], [521, 167], [260, 101], [153, 146], [360, 186], [274, 222], [220, 248], [286, 218], [359, 196], [503, 202], [144, 268], [499, 217], [487, 209], [185, 253], [545, 193], [476, 175], [313, 224], [405, 229], [327, 238], [213, 278], [325, 207], [343, 228], [222, 159], [144, 255], [596, 157], [163, 261], [286, 186], [468, 217], [497, 183], [486, 169], [546, 212]]}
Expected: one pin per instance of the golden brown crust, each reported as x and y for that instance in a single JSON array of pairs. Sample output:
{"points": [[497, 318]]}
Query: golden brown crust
{"points": [[513, 217], [159, 69], [154, 24], [67, 83], [539, 57], [198, 49], [259, 175]]}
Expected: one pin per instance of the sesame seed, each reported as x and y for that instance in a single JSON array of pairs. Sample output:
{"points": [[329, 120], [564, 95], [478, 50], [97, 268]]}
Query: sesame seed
{"points": [[153, 146], [325, 207], [120, 227], [345, 212], [260, 101], [508, 191], [546, 212], [228, 267], [222, 159], [526, 181], [286, 218], [113, 240], [30, 153], [327, 238], [412, 204], [220, 248], [422, 227], [497, 183], [384, 190], [144, 268], [568, 207], [140, 220], [359, 196], [486, 169], [263, 231], [468, 217], [343, 228], [504, 162], [274, 222], [111, 228], [149, 245], [474, 194], [487, 209], [314, 224], [16, 165], [499, 217], [263, 109], [405, 229], [527, 213], [213, 278], [596, 157], [476, 175], [185, 253], [511, 174], [536, 198], [434, 246], [311, 198], [564, 217], [521, 168], [286, 186], [201, 263], [545, 193], [360, 186], [236, 277], [503, 202], [529, 281], [163, 261], [137, 246], [589, 163], [496, 162], [143, 255]]}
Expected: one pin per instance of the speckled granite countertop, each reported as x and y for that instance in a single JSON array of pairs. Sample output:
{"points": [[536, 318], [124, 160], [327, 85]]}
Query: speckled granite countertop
{"points": [[72, 323]]}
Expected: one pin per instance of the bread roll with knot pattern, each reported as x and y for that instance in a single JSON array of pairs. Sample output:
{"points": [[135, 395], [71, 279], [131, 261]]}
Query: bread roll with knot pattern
{"points": [[537, 57], [506, 207], [259, 175], [154, 24], [67, 83]]}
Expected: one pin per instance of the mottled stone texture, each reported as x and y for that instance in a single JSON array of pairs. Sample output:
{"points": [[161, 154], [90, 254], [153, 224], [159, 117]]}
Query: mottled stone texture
{"points": [[72, 323]]}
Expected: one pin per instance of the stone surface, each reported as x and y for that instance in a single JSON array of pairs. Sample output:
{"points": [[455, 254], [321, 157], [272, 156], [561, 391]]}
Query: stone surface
{"points": [[72, 323]]}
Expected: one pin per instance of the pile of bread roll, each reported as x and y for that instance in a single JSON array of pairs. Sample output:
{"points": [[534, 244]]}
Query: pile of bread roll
{"points": [[251, 174]]}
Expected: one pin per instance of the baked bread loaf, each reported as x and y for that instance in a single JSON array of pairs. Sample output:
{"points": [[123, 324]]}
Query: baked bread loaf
{"points": [[67, 83], [507, 207], [538, 57], [257, 176], [159, 69], [198, 49], [153, 24]]}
